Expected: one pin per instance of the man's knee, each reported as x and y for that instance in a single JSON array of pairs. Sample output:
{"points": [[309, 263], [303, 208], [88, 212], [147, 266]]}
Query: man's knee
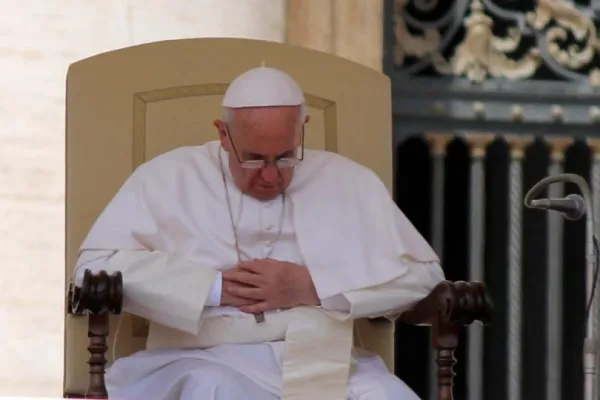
{"points": [[214, 381], [383, 386]]}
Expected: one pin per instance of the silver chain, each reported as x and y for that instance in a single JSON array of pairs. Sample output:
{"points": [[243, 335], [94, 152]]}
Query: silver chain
{"points": [[259, 317]]}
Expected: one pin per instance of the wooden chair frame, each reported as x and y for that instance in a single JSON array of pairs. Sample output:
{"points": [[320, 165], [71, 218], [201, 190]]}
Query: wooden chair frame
{"points": [[449, 306]]}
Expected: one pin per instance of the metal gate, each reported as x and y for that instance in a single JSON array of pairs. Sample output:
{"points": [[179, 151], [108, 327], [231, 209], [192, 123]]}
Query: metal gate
{"points": [[489, 97]]}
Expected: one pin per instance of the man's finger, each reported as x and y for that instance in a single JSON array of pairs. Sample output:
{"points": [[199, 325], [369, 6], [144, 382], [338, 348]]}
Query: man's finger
{"points": [[254, 266], [244, 277], [255, 308], [236, 301], [246, 292]]}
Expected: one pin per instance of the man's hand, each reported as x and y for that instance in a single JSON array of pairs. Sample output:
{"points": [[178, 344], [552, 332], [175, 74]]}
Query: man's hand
{"points": [[229, 299], [271, 285]]}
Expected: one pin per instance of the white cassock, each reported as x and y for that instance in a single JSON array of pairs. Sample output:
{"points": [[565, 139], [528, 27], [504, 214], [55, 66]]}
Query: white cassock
{"points": [[168, 230]]}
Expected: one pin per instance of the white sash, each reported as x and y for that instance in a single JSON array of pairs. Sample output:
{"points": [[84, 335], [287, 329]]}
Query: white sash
{"points": [[318, 346]]}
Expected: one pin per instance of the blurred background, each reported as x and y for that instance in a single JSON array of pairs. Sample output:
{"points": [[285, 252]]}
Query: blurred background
{"points": [[489, 96]]}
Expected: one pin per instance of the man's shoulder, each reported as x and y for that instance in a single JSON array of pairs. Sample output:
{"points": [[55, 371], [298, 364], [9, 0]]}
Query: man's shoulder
{"points": [[341, 165], [180, 155], [179, 159]]}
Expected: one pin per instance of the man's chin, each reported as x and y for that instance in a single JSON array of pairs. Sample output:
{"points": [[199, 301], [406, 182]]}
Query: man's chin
{"points": [[265, 194]]}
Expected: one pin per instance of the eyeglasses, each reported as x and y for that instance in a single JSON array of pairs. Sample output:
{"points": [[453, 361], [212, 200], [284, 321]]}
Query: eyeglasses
{"points": [[281, 162]]}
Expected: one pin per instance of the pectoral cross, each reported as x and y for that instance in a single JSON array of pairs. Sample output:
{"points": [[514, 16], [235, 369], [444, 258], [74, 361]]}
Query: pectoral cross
{"points": [[259, 317]]}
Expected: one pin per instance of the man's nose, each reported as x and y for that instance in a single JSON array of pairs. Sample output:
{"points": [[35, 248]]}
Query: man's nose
{"points": [[270, 173]]}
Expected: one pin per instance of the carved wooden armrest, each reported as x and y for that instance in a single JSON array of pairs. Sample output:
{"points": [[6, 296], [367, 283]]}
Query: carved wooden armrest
{"points": [[448, 307], [99, 296]]}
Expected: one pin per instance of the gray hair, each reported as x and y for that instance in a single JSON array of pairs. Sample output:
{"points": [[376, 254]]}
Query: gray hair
{"points": [[227, 115]]}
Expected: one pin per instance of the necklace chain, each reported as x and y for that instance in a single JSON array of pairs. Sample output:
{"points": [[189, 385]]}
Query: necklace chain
{"points": [[260, 317]]}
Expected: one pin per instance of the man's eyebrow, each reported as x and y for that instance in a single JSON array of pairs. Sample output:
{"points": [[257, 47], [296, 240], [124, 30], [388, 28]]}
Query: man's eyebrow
{"points": [[256, 155], [286, 153]]}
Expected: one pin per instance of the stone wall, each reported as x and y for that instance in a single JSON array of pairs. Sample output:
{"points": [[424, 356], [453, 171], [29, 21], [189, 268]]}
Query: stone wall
{"points": [[348, 28]]}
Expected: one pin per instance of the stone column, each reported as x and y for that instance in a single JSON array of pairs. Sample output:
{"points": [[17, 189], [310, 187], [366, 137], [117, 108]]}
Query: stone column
{"points": [[34, 62], [438, 143], [348, 28], [154, 20]]}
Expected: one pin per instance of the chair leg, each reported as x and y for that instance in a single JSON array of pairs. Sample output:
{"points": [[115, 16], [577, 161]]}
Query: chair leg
{"points": [[99, 296], [98, 330], [445, 341]]}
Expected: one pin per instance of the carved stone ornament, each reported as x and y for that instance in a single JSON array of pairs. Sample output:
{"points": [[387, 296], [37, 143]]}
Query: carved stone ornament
{"points": [[558, 34]]}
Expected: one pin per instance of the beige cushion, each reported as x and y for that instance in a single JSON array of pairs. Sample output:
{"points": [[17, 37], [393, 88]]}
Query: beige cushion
{"points": [[126, 106]]}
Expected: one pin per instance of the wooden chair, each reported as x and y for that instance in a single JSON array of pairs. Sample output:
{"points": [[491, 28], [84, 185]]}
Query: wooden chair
{"points": [[129, 105]]}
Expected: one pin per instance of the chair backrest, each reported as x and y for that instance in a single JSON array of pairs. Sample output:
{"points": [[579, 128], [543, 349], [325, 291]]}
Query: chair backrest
{"points": [[129, 105]]}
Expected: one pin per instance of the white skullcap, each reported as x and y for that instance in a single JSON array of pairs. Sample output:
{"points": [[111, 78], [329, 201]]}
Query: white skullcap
{"points": [[263, 87]]}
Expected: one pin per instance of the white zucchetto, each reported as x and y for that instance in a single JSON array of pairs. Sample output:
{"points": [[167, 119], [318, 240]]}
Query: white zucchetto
{"points": [[263, 87]]}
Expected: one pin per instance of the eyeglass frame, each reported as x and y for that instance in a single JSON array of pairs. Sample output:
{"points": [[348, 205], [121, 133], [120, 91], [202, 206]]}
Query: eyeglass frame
{"points": [[260, 164]]}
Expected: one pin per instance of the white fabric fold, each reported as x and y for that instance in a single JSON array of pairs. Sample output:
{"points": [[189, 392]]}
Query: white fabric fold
{"points": [[317, 355], [305, 342], [158, 286], [177, 302], [391, 299], [377, 237]]}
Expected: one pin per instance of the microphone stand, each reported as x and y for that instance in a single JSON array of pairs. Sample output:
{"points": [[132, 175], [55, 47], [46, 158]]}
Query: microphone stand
{"points": [[590, 343]]}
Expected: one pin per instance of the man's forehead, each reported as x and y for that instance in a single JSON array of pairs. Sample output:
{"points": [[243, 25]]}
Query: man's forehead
{"points": [[266, 143], [266, 131]]}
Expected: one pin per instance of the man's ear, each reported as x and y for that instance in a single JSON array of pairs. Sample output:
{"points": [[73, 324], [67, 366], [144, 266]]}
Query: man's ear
{"points": [[222, 131], [220, 125]]}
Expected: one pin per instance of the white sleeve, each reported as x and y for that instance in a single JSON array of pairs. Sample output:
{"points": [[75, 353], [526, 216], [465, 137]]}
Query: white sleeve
{"points": [[95, 260], [214, 297], [383, 300], [157, 286], [339, 302]]}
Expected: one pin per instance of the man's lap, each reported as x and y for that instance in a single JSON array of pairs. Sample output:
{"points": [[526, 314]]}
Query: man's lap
{"points": [[370, 380], [191, 379], [186, 378]]}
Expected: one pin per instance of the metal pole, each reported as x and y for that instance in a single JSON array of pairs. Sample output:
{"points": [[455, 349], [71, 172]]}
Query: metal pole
{"points": [[590, 344], [554, 294], [515, 296], [478, 145]]}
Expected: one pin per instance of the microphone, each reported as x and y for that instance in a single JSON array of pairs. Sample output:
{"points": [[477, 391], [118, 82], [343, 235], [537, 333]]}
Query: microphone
{"points": [[572, 207]]}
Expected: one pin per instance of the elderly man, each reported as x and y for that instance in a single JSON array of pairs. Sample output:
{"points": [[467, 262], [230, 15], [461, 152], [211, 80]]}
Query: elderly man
{"points": [[252, 256]]}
